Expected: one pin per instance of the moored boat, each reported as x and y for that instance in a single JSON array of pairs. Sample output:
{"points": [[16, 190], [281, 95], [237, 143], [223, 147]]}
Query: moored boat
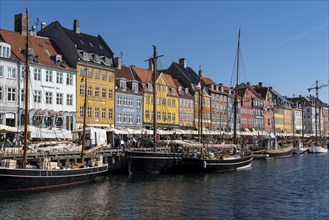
{"points": [[317, 149], [17, 175]]}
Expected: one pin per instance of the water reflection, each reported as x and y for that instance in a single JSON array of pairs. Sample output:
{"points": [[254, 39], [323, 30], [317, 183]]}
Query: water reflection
{"points": [[295, 187]]}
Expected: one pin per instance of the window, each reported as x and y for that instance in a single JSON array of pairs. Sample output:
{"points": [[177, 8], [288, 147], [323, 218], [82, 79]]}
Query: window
{"points": [[119, 101], [1, 71], [97, 92], [169, 116], [90, 72], [110, 94], [59, 98], [11, 73], [49, 76], [123, 85], [82, 90], [169, 102], [119, 118], [147, 99], [135, 87], [11, 94], [130, 102], [103, 75], [158, 115], [69, 79], [96, 112], [22, 95], [103, 93], [164, 89], [89, 112], [97, 73], [0, 93], [173, 103], [110, 113], [149, 87], [103, 112], [49, 97], [81, 111], [147, 114], [172, 91], [37, 74], [82, 71], [59, 78], [138, 119], [5, 50], [164, 101], [173, 117], [124, 119], [158, 101], [69, 99], [124, 101], [138, 103], [130, 120], [37, 96], [164, 116], [111, 76], [90, 91]]}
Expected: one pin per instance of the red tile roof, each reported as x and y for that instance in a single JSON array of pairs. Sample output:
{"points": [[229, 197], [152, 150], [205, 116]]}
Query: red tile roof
{"points": [[44, 48]]}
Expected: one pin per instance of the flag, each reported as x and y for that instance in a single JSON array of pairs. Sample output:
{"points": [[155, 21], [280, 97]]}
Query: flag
{"points": [[198, 86]]}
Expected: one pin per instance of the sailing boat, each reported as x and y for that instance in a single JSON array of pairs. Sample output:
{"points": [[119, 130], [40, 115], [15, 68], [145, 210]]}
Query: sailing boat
{"points": [[217, 157], [17, 177], [270, 148], [160, 160], [316, 147]]}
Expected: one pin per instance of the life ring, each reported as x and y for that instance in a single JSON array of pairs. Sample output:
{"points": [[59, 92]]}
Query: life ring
{"points": [[204, 164]]}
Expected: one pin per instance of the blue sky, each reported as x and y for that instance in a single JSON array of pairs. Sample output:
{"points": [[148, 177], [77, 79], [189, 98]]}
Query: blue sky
{"points": [[284, 44]]}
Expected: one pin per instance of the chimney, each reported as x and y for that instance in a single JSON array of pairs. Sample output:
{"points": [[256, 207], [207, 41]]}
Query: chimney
{"points": [[76, 26], [260, 84], [118, 62], [200, 73], [248, 83], [43, 25], [20, 24], [182, 61]]}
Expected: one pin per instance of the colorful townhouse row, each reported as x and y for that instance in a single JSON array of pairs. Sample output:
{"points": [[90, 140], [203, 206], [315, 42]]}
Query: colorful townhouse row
{"points": [[122, 96]]}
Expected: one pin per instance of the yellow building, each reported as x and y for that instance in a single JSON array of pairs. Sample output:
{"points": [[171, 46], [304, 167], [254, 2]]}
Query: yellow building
{"points": [[167, 99], [100, 96]]}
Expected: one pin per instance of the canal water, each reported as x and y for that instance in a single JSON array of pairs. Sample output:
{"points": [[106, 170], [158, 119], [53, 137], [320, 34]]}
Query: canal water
{"points": [[290, 188]]}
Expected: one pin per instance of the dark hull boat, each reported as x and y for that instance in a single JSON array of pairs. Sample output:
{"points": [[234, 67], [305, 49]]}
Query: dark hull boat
{"points": [[153, 162], [33, 179], [216, 165]]}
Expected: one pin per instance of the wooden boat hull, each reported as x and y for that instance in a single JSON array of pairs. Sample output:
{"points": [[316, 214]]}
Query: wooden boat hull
{"points": [[283, 152], [215, 165], [33, 179], [152, 162]]}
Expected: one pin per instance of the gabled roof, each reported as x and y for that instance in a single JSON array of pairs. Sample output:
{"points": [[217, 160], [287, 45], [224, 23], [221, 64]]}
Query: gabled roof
{"points": [[186, 76], [45, 50], [89, 43], [208, 81], [124, 72], [252, 90]]}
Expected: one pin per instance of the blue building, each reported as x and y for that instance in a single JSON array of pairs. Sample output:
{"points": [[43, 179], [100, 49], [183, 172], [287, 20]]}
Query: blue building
{"points": [[129, 100]]}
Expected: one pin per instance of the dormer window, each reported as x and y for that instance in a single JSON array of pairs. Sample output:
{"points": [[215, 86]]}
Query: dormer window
{"points": [[96, 58], [212, 87], [135, 87], [59, 58], [149, 87], [85, 56], [186, 91], [5, 50], [172, 90], [217, 87], [123, 85]]}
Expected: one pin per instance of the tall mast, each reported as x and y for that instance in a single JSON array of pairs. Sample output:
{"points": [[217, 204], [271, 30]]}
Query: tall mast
{"points": [[84, 116], [235, 141], [27, 73], [154, 62]]}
